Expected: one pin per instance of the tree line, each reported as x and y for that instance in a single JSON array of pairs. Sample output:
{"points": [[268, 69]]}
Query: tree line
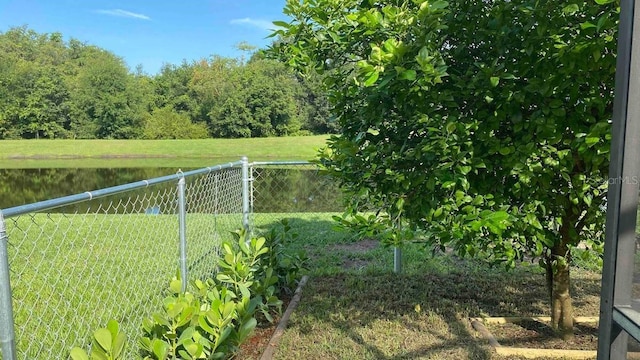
{"points": [[52, 88]]}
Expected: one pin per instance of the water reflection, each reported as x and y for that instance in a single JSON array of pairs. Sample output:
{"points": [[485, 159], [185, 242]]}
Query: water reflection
{"points": [[294, 190], [25, 186], [275, 189]]}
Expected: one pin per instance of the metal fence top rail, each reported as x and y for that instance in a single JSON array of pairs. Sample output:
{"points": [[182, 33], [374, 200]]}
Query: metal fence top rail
{"points": [[295, 162], [90, 195]]}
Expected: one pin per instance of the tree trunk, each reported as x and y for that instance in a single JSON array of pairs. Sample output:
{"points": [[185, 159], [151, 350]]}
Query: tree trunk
{"points": [[561, 306]]}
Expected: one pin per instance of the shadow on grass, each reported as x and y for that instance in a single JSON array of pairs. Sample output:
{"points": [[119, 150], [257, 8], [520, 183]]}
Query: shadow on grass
{"points": [[372, 313]]}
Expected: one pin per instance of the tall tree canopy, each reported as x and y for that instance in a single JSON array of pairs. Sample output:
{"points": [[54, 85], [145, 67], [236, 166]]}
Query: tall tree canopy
{"points": [[484, 123], [51, 88]]}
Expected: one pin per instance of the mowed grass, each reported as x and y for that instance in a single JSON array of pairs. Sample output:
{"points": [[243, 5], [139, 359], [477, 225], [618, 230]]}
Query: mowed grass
{"points": [[71, 273], [279, 148], [355, 307]]}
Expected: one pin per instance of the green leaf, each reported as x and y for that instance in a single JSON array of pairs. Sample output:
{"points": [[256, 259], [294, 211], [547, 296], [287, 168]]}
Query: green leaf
{"points": [[160, 349], [451, 127], [282, 24], [98, 354], [591, 140], [438, 5], [494, 81], [372, 78], [175, 286], [246, 328], [497, 216], [448, 184], [78, 354], [103, 338], [571, 9], [118, 345], [113, 327], [408, 75], [194, 349], [244, 291], [204, 324], [260, 243], [476, 225]]}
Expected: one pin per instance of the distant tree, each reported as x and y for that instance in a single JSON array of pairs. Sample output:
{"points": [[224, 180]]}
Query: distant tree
{"points": [[314, 103], [166, 123], [105, 104], [34, 93], [258, 100], [50, 88], [208, 84], [172, 88]]}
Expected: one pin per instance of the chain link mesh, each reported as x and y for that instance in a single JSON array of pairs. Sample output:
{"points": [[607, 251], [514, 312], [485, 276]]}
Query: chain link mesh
{"points": [[282, 190], [76, 267]]}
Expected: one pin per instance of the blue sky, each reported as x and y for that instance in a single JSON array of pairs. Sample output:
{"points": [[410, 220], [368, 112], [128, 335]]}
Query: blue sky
{"points": [[150, 32]]}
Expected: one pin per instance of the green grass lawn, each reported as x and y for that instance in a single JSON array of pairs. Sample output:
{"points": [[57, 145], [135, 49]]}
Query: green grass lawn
{"points": [[273, 148], [355, 307]]}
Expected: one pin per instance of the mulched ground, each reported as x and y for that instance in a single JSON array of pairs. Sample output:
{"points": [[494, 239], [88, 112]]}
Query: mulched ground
{"points": [[534, 334], [253, 348]]}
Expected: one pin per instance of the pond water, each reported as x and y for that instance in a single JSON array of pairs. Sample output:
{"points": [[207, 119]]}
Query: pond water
{"points": [[275, 189], [25, 186]]}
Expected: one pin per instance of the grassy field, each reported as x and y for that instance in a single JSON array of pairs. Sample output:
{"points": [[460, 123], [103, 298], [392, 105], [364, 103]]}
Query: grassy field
{"points": [[355, 307], [155, 152]]}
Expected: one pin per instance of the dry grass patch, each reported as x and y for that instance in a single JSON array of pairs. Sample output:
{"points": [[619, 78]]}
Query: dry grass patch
{"points": [[339, 320], [368, 312]]}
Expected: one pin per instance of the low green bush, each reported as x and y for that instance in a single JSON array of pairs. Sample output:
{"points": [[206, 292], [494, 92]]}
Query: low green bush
{"points": [[219, 314], [108, 344]]}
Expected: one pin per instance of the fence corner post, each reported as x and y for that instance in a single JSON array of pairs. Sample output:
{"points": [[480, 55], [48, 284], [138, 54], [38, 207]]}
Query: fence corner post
{"points": [[245, 195], [182, 216], [7, 332]]}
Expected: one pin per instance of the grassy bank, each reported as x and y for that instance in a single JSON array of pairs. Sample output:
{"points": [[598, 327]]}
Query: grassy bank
{"points": [[303, 147]]}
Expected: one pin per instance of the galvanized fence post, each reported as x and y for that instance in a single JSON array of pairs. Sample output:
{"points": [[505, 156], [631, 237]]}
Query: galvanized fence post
{"points": [[245, 195], [7, 333], [183, 233], [397, 251], [397, 260]]}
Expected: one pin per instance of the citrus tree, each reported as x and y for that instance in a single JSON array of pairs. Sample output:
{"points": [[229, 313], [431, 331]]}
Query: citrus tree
{"points": [[484, 123]]}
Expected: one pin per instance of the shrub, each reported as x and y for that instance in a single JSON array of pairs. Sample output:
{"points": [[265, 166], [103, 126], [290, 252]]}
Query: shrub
{"points": [[218, 315]]}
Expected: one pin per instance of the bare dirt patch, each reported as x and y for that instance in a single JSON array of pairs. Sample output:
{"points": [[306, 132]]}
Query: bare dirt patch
{"points": [[529, 333], [253, 348], [357, 247], [354, 263]]}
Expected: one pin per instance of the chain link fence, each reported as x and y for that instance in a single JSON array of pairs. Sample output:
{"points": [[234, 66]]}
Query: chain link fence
{"points": [[80, 260], [289, 189]]}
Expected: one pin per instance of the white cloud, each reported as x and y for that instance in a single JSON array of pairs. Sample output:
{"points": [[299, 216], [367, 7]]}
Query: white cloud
{"points": [[261, 24], [124, 13]]}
